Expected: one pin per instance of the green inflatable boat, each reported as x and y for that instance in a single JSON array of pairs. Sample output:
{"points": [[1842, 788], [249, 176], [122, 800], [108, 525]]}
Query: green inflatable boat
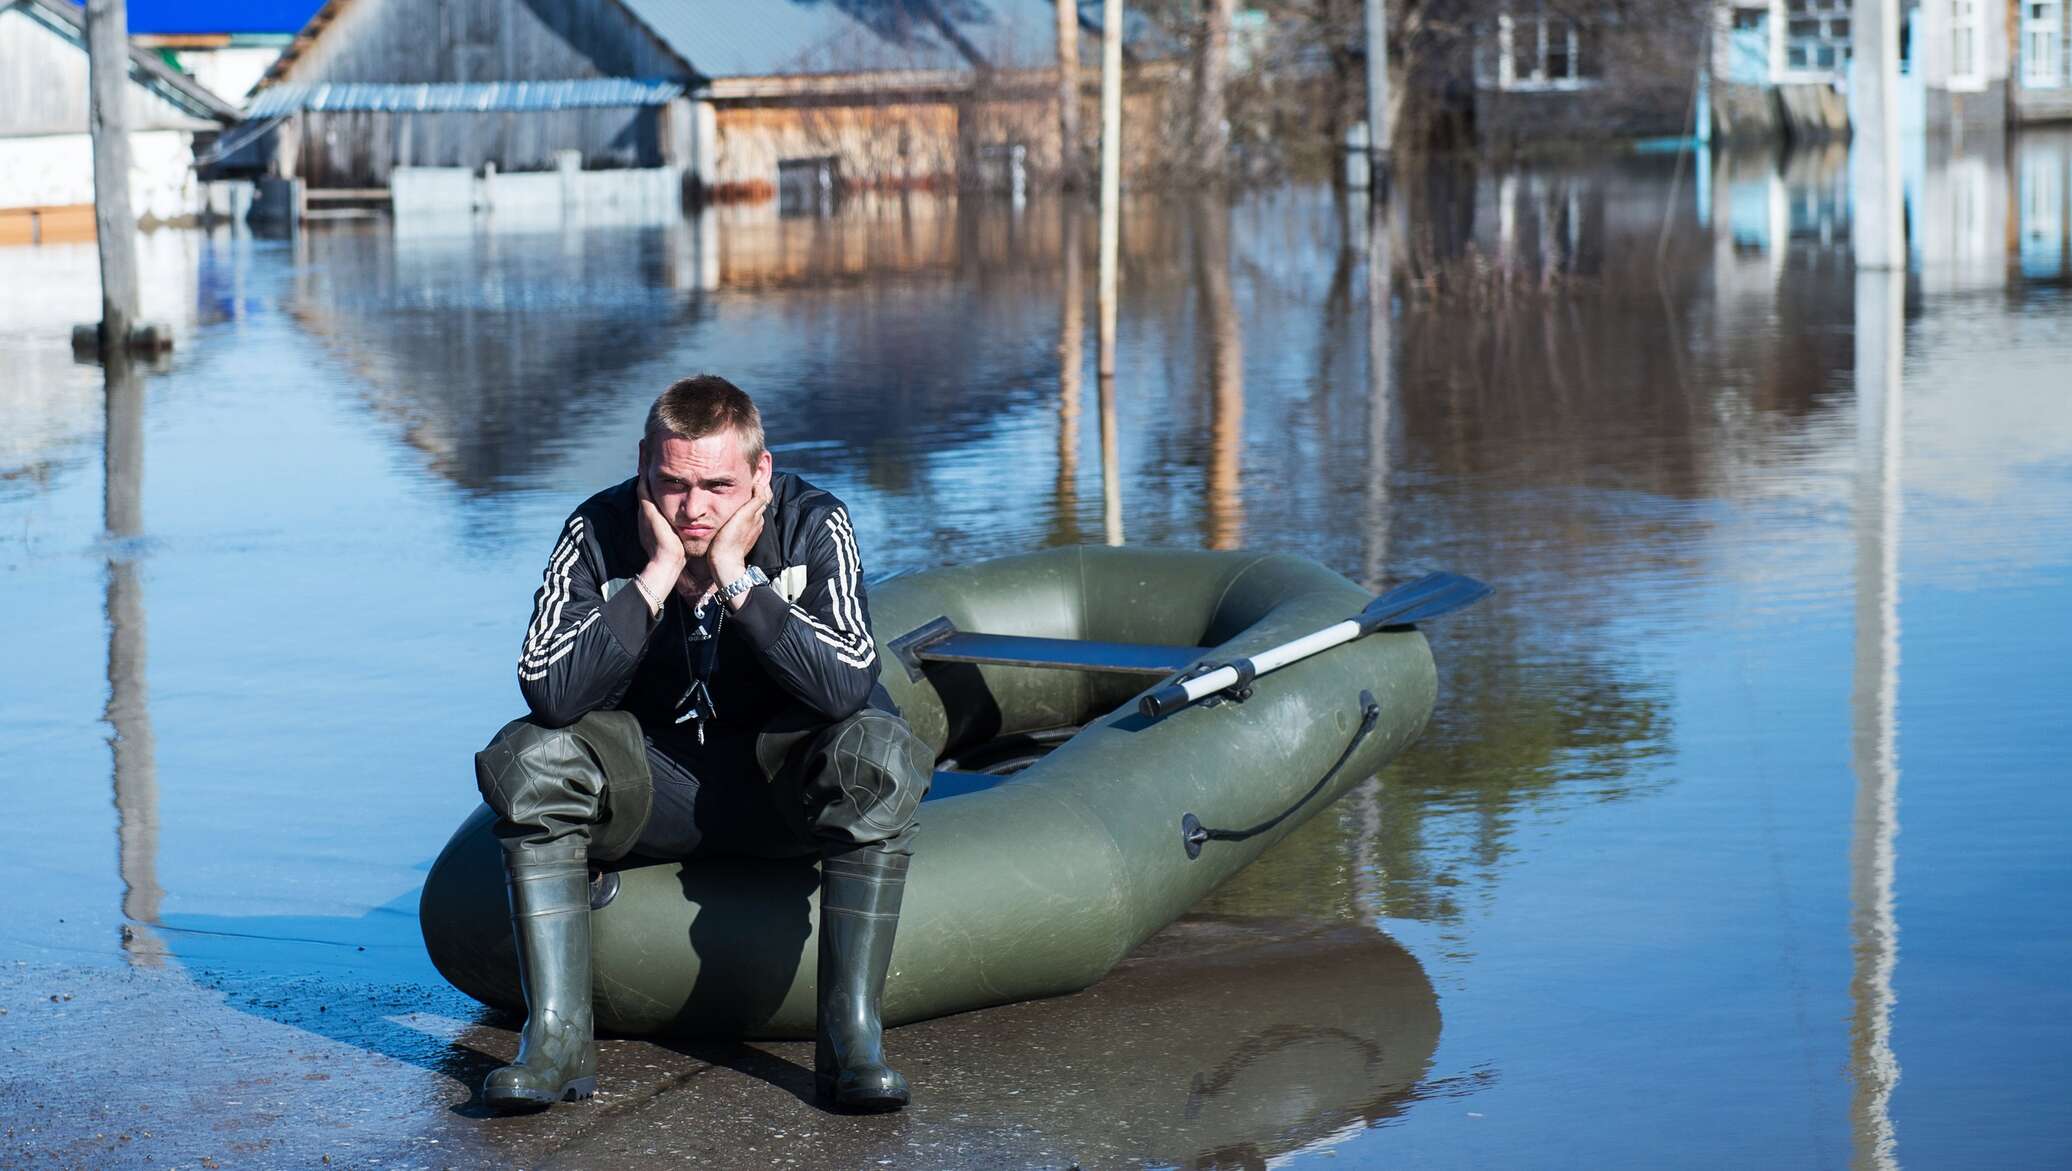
{"points": [[1067, 823]]}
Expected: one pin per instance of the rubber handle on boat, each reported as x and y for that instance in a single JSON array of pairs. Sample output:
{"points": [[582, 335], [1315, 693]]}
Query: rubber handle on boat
{"points": [[1170, 698]]}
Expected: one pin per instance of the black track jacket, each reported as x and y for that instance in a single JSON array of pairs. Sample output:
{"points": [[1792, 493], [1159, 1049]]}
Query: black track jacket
{"points": [[804, 640]]}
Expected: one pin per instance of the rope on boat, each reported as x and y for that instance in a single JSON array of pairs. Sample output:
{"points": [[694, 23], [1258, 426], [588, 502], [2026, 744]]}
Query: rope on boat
{"points": [[1193, 834]]}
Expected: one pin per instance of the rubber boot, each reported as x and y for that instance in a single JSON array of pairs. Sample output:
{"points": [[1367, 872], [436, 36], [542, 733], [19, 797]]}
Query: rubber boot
{"points": [[860, 894], [550, 915]]}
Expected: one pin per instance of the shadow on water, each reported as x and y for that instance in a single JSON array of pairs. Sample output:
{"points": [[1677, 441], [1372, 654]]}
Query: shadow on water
{"points": [[1222, 1042], [360, 981]]}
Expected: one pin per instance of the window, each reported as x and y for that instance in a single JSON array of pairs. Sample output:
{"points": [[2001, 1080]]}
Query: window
{"points": [[1545, 52], [2041, 28], [1816, 36], [807, 186], [1964, 16]]}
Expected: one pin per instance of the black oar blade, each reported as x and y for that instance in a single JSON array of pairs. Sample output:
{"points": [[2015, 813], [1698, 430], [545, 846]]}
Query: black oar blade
{"points": [[1426, 598]]}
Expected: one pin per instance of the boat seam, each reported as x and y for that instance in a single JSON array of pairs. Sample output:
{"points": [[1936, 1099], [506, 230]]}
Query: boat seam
{"points": [[1231, 584]]}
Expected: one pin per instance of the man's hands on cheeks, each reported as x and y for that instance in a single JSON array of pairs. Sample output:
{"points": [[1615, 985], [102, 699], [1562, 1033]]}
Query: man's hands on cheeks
{"points": [[726, 557], [665, 552]]}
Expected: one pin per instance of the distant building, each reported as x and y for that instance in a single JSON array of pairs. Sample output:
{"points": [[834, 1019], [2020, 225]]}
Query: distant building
{"points": [[737, 100], [226, 45], [1775, 67], [46, 155]]}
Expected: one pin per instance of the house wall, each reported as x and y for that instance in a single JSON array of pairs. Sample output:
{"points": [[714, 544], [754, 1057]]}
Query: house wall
{"points": [[912, 143], [1932, 50], [359, 148], [1520, 118], [2042, 105], [229, 72], [46, 155], [43, 85], [57, 170], [1644, 89]]}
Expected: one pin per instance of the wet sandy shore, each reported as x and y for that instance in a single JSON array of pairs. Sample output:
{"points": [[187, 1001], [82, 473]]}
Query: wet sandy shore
{"points": [[1220, 1042]]}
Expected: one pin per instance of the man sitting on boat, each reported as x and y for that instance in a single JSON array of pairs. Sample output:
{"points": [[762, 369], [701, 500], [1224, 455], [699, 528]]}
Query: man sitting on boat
{"points": [[701, 676]]}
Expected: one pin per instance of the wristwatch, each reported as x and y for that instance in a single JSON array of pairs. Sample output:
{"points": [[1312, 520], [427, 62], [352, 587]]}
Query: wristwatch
{"points": [[741, 585]]}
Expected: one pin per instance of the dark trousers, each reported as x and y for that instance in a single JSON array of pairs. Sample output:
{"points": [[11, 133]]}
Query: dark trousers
{"points": [[779, 792]]}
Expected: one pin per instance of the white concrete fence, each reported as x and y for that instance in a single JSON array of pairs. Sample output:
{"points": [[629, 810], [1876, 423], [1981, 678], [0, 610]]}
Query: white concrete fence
{"points": [[544, 198]]}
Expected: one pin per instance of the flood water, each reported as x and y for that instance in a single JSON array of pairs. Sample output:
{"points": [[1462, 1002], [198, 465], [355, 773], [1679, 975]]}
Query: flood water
{"points": [[1739, 837]]}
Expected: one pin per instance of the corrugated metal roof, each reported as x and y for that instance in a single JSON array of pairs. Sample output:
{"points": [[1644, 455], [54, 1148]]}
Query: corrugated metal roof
{"points": [[728, 38], [202, 17], [465, 97]]}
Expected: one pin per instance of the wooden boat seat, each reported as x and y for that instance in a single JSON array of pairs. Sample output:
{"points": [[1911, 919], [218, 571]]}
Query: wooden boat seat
{"points": [[939, 641]]}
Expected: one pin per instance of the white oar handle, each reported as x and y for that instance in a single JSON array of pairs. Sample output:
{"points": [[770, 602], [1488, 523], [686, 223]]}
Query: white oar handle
{"points": [[1175, 696]]}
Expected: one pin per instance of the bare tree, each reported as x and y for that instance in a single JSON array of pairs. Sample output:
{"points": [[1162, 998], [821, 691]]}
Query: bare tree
{"points": [[1211, 83]]}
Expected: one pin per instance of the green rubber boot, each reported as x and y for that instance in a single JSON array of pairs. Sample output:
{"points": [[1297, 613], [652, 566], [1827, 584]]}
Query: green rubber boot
{"points": [[860, 894], [550, 915]]}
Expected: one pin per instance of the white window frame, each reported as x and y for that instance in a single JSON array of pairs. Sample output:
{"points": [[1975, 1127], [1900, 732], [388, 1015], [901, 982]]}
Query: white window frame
{"points": [[1967, 46], [1824, 14], [2043, 65], [1538, 26]]}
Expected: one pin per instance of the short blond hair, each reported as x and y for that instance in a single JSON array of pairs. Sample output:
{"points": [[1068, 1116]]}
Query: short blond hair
{"points": [[705, 404]]}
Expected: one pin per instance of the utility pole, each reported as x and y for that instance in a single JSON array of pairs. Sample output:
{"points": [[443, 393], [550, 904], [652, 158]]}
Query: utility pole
{"points": [[1380, 134], [1212, 84], [1111, 175], [1877, 219], [1068, 93], [107, 52]]}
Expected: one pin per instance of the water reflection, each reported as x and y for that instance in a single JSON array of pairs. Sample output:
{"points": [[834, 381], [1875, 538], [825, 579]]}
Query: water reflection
{"points": [[1874, 707], [1226, 389], [1375, 228], [1220, 1043], [128, 712], [1071, 375], [2043, 167], [1111, 464], [1634, 414], [484, 349]]}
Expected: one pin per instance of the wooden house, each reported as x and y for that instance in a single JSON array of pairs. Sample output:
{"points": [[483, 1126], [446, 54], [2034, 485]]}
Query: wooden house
{"points": [[46, 155]]}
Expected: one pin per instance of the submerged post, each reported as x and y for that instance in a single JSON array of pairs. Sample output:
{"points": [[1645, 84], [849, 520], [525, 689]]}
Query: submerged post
{"points": [[1111, 464], [1878, 220], [1111, 176], [107, 53]]}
